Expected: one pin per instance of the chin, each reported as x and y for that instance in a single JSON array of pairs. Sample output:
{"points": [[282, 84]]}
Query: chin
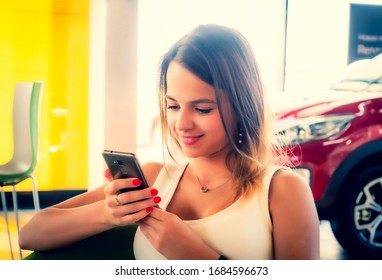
{"points": [[192, 154], [205, 154]]}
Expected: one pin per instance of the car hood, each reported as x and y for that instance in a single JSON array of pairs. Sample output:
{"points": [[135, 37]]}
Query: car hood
{"points": [[361, 82], [289, 106]]}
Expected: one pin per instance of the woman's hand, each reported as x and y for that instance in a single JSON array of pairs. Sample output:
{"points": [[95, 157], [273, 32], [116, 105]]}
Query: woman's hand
{"points": [[122, 208], [175, 240]]}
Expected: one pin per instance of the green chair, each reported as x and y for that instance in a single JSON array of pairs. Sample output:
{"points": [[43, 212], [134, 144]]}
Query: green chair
{"points": [[21, 166]]}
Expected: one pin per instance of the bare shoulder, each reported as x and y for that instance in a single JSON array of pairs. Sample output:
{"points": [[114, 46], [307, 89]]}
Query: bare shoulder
{"points": [[151, 170], [294, 217], [287, 188]]}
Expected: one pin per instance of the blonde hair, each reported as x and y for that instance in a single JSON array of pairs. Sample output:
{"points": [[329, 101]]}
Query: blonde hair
{"points": [[223, 58]]}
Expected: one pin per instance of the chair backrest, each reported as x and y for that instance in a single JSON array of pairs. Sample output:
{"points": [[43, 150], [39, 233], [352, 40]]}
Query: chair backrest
{"points": [[26, 111]]}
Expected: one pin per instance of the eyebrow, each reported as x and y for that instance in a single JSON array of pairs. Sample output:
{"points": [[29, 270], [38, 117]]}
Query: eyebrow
{"points": [[197, 101]]}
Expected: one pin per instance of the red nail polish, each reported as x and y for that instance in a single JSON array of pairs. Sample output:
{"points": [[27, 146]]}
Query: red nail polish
{"points": [[137, 182], [154, 192], [157, 199], [149, 209]]}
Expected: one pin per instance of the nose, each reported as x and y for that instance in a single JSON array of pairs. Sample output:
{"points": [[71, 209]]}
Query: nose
{"points": [[184, 120]]}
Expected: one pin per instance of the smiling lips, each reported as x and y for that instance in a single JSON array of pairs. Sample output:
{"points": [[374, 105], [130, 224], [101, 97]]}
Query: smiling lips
{"points": [[190, 140]]}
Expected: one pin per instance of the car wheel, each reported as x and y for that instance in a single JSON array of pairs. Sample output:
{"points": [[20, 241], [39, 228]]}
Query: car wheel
{"points": [[358, 225]]}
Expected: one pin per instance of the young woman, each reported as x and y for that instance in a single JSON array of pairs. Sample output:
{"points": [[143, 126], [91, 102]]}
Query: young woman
{"points": [[229, 199]]}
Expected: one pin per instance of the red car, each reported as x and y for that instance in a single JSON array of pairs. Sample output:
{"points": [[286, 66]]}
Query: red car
{"points": [[336, 144]]}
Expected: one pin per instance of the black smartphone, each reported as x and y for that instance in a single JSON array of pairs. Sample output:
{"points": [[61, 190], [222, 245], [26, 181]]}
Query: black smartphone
{"points": [[124, 165]]}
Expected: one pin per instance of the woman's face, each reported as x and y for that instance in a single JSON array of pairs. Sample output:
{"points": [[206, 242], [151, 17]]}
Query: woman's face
{"points": [[193, 115]]}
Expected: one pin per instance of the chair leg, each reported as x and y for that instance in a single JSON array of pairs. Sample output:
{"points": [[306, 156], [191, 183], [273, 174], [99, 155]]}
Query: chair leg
{"points": [[36, 200], [36, 203], [16, 211], [5, 209]]}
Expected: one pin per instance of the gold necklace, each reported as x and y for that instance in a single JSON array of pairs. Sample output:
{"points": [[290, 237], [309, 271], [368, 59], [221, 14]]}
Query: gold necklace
{"points": [[204, 189]]}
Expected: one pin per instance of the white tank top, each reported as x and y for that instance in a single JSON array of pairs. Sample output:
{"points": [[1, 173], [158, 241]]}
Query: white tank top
{"points": [[243, 230]]}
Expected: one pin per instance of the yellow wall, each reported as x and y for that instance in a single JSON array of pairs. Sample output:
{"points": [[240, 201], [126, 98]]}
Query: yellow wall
{"points": [[48, 40]]}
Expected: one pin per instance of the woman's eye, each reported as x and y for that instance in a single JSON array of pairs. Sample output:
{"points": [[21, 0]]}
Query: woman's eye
{"points": [[203, 111], [172, 107]]}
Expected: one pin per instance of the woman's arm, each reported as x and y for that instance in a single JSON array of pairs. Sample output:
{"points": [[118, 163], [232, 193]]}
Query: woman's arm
{"points": [[65, 223], [294, 216], [86, 214]]}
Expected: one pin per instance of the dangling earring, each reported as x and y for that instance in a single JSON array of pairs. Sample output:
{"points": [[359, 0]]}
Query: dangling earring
{"points": [[240, 136]]}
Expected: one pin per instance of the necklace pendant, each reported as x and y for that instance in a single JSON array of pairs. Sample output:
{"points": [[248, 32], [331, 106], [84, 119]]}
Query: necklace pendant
{"points": [[203, 189]]}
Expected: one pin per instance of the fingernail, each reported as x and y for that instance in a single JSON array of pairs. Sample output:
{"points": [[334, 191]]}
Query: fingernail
{"points": [[137, 182], [149, 209], [154, 192], [157, 199]]}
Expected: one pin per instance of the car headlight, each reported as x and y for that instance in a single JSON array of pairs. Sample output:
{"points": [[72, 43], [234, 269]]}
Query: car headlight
{"points": [[297, 131]]}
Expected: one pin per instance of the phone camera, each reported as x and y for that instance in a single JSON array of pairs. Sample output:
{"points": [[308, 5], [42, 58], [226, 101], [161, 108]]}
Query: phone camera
{"points": [[119, 162]]}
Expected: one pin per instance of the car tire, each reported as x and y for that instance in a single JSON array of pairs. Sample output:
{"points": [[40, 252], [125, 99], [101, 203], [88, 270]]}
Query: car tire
{"points": [[358, 223]]}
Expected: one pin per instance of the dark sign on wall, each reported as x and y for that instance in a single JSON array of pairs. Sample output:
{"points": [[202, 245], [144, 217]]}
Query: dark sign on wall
{"points": [[365, 36]]}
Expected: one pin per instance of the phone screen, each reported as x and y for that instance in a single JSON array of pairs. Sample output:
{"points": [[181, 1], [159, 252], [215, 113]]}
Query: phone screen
{"points": [[124, 165]]}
